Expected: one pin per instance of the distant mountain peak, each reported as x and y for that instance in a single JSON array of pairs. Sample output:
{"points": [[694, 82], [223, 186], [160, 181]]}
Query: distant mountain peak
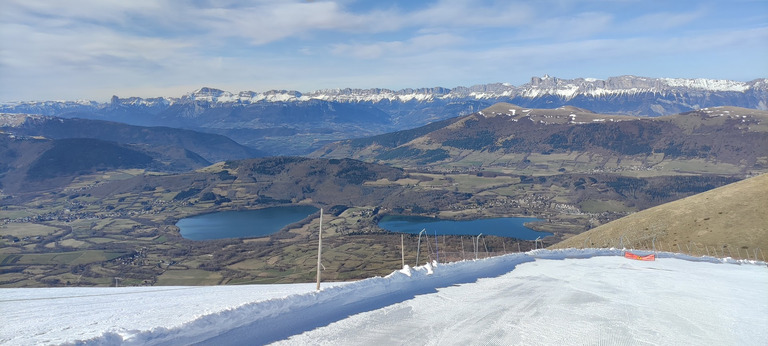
{"points": [[208, 91], [627, 94], [209, 94]]}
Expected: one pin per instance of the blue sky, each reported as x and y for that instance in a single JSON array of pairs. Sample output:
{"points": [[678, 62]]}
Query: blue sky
{"points": [[92, 49]]}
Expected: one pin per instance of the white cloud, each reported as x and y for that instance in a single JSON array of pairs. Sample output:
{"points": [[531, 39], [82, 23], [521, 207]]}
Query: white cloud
{"points": [[414, 45], [268, 23], [576, 26], [663, 20], [367, 51], [272, 21], [471, 13], [86, 47], [100, 11], [435, 41]]}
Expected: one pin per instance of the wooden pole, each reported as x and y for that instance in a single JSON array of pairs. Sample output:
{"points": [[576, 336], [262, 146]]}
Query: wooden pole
{"points": [[402, 248], [319, 248]]}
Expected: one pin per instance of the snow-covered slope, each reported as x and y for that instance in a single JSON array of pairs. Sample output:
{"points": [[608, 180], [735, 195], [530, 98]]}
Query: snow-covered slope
{"points": [[540, 297]]}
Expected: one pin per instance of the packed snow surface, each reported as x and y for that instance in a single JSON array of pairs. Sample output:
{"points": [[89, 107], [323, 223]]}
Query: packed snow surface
{"points": [[59, 315], [541, 297]]}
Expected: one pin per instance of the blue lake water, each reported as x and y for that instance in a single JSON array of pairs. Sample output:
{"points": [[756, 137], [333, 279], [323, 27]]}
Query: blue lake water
{"points": [[242, 224], [511, 227]]}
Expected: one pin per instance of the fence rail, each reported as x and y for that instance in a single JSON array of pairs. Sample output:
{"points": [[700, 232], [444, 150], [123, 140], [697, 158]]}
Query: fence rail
{"points": [[458, 248]]}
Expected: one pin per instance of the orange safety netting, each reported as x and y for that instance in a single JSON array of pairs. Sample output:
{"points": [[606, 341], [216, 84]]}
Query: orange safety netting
{"points": [[630, 255]]}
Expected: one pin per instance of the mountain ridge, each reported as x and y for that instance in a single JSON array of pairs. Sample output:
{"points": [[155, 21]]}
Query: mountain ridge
{"points": [[537, 87], [285, 122], [211, 147], [512, 138]]}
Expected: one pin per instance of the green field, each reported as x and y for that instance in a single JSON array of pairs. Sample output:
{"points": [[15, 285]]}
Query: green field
{"points": [[69, 258], [189, 277], [26, 229], [598, 206]]}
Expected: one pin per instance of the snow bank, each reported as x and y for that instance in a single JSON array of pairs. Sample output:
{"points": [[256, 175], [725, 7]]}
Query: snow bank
{"points": [[35, 316], [275, 319]]}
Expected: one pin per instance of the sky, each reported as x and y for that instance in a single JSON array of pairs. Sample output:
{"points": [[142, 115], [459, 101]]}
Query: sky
{"points": [[93, 49]]}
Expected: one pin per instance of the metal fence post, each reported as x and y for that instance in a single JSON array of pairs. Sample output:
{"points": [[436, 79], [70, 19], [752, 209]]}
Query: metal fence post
{"points": [[477, 243], [418, 247]]}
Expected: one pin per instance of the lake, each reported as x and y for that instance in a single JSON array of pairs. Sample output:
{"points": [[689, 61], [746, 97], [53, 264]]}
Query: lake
{"points": [[510, 227], [242, 224]]}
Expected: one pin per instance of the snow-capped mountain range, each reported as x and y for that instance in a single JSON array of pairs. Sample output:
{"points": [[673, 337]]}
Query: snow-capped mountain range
{"points": [[268, 120], [538, 87], [546, 86]]}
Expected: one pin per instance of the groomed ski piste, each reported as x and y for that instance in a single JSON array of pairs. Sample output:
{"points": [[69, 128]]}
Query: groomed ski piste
{"points": [[541, 297]]}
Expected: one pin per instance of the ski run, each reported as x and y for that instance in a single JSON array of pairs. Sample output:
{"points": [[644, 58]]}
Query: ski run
{"points": [[542, 297]]}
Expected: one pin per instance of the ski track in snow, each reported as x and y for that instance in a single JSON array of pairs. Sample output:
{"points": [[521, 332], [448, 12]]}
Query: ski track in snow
{"points": [[603, 300], [541, 297]]}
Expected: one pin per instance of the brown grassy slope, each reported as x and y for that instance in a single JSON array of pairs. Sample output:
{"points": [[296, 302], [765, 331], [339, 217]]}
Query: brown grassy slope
{"points": [[513, 139], [732, 217]]}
